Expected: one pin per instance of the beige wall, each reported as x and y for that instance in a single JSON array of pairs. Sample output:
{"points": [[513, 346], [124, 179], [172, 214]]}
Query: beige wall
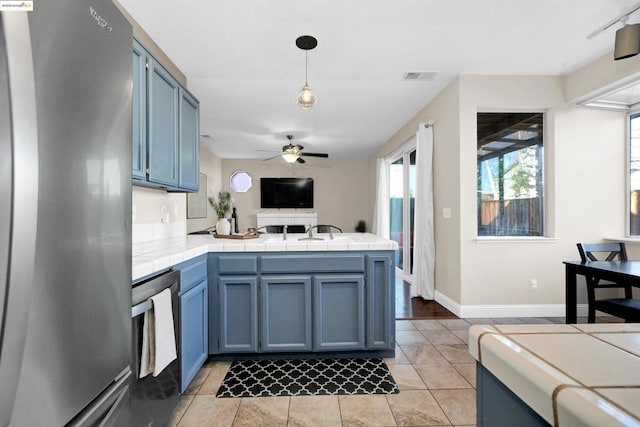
{"points": [[585, 180], [443, 111], [600, 76], [341, 188], [584, 156], [211, 166]]}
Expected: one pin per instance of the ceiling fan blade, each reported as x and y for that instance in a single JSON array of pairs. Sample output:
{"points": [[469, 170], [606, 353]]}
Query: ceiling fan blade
{"points": [[300, 160], [325, 155], [272, 157]]}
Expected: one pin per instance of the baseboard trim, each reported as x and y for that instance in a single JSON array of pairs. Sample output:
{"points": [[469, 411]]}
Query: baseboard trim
{"points": [[506, 310]]}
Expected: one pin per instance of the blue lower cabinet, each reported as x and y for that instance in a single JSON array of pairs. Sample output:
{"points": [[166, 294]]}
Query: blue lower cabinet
{"points": [[380, 302], [339, 312], [194, 338], [285, 320], [238, 321]]}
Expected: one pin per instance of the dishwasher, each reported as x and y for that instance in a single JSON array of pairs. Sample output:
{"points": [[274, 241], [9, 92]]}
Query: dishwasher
{"points": [[154, 398]]}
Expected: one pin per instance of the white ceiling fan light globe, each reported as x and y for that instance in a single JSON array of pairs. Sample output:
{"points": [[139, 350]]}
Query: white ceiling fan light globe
{"points": [[306, 99], [290, 157]]}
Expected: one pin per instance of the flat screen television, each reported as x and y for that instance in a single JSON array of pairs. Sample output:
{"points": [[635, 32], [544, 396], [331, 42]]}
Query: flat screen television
{"points": [[286, 193]]}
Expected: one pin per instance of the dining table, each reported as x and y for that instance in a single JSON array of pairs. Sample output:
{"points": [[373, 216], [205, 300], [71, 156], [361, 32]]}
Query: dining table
{"points": [[614, 271]]}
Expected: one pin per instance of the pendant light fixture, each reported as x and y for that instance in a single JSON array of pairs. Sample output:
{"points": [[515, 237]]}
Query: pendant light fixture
{"points": [[627, 41], [306, 98]]}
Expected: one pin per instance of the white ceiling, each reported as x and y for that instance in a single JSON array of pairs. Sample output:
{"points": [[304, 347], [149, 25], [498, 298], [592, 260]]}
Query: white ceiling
{"points": [[241, 61]]}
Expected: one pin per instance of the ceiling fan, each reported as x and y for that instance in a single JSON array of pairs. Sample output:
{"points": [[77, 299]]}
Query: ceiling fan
{"points": [[293, 153]]}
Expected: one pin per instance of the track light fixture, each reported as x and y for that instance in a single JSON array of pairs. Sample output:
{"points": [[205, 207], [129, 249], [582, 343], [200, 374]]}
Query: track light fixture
{"points": [[627, 38], [306, 98]]}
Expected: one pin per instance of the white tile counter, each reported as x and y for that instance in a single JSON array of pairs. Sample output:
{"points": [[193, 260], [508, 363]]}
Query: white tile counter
{"points": [[154, 256], [571, 375]]}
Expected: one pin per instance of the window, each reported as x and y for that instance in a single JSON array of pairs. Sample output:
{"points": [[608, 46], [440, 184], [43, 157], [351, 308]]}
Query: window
{"points": [[634, 174], [510, 174]]}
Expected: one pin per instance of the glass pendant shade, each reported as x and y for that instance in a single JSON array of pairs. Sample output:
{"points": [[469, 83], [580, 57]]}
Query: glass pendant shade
{"points": [[306, 98], [627, 42]]}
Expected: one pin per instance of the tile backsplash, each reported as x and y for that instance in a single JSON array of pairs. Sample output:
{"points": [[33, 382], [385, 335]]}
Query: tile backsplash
{"points": [[156, 231]]}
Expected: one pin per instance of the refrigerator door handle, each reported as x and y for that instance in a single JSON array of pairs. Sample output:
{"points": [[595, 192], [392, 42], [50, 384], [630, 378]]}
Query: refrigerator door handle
{"points": [[24, 209]]}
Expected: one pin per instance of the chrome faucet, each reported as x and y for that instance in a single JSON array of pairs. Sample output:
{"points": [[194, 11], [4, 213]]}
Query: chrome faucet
{"points": [[284, 232], [310, 232]]}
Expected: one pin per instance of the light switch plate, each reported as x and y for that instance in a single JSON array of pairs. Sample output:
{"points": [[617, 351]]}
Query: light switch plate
{"points": [[446, 212]]}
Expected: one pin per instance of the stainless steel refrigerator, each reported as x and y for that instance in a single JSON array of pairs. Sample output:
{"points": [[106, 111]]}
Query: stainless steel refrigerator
{"points": [[65, 213]]}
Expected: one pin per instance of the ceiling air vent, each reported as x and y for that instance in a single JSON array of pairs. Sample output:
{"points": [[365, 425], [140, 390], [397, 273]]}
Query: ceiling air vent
{"points": [[420, 75]]}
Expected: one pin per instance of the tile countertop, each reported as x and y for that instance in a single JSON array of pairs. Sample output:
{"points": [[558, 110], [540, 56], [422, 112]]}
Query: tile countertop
{"points": [[592, 371], [157, 255]]}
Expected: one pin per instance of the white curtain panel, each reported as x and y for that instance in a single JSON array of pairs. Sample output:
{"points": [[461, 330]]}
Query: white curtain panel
{"points": [[381, 211], [424, 245]]}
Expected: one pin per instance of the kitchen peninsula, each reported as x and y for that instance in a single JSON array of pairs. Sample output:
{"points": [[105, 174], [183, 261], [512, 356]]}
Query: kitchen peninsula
{"points": [[269, 295]]}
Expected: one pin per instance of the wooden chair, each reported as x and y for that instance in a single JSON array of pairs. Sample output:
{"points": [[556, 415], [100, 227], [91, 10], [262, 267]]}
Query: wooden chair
{"points": [[626, 308]]}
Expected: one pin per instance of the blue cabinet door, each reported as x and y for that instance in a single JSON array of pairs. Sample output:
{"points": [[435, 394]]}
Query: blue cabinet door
{"points": [[194, 338], [339, 312], [163, 94], [139, 141], [238, 322], [285, 320], [380, 302], [189, 142]]}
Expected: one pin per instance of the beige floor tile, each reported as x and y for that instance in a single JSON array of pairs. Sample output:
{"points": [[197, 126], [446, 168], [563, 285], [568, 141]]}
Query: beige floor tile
{"points": [[181, 408], [208, 411], [468, 371], [314, 411], [198, 380], [463, 334], [262, 411], [441, 376], [427, 325], [410, 337], [365, 411], [422, 353], [455, 353], [458, 405], [443, 336], [455, 324], [214, 379], [399, 359], [416, 408], [406, 377], [404, 325]]}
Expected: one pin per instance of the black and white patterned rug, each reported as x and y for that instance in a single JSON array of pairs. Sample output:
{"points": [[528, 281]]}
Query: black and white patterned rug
{"points": [[295, 377]]}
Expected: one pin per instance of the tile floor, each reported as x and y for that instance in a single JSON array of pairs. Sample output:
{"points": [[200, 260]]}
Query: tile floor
{"points": [[432, 367]]}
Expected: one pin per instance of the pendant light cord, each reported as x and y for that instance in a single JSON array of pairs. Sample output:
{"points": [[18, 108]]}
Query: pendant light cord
{"points": [[306, 67]]}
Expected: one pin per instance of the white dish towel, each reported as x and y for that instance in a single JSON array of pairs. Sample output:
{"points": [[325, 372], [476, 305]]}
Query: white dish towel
{"points": [[158, 336]]}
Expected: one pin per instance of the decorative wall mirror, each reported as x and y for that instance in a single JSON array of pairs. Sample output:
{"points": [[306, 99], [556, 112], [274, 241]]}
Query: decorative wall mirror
{"points": [[240, 181]]}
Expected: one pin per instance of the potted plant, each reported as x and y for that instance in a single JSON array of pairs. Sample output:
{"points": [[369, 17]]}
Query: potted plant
{"points": [[222, 207]]}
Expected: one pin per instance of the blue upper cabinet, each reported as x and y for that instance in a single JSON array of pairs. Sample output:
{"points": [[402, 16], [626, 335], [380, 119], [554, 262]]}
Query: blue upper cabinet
{"points": [[163, 95], [189, 141], [166, 140], [139, 141]]}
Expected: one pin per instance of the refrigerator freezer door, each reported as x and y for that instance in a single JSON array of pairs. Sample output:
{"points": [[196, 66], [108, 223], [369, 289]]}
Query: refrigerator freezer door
{"points": [[79, 328], [18, 196]]}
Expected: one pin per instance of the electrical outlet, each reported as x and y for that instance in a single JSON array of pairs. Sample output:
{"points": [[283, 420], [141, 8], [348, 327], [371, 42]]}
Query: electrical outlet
{"points": [[533, 285]]}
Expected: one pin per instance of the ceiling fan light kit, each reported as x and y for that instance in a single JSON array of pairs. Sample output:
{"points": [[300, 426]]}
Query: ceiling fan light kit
{"points": [[306, 99]]}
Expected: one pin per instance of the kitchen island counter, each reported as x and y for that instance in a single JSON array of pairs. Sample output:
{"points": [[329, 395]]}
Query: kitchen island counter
{"points": [[158, 255], [562, 375]]}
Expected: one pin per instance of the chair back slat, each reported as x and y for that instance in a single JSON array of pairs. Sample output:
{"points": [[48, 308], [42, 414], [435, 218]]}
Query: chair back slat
{"points": [[615, 250]]}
